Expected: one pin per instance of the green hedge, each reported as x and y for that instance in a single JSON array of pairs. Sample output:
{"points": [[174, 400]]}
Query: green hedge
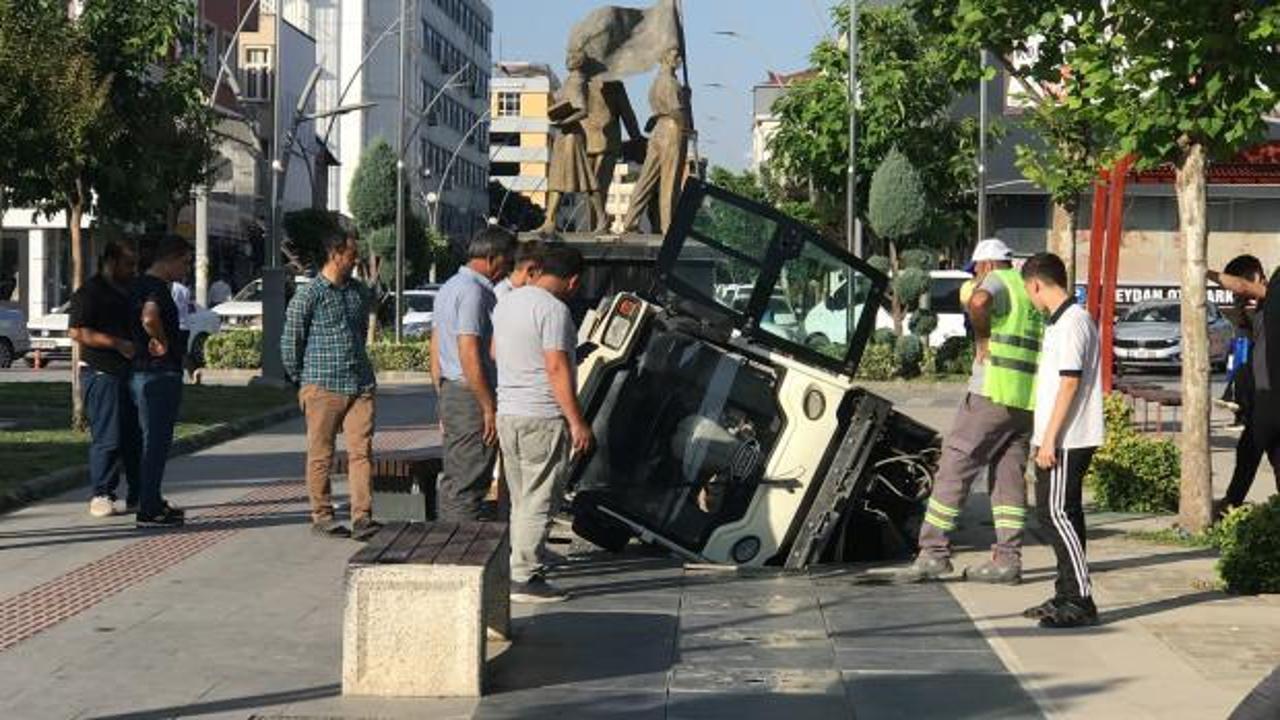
{"points": [[234, 350], [1249, 538], [405, 356], [241, 350], [1132, 472]]}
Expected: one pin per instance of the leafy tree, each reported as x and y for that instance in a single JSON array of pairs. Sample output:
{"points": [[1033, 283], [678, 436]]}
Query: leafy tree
{"points": [[373, 188], [908, 84], [305, 231], [513, 210], [1176, 82], [897, 211], [112, 121]]}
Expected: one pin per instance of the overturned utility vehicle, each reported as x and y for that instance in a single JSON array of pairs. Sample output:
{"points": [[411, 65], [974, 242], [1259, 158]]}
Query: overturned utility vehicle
{"points": [[726, 433]]}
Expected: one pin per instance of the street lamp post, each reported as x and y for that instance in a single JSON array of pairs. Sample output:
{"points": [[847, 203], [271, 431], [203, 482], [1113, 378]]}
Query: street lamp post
{"points": [[400, 141], [853, 225], [982, 148]]}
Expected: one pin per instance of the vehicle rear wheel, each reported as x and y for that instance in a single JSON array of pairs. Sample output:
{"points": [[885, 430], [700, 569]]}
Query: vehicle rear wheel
{"points": [[6, 353], [596, 527]]}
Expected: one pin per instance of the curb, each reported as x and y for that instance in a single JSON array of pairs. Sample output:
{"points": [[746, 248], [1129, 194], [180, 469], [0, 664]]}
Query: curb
{"points": [[60, 481]]}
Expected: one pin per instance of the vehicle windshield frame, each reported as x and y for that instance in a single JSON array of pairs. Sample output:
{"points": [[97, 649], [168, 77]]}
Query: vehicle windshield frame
{"points": [[788, 242]]}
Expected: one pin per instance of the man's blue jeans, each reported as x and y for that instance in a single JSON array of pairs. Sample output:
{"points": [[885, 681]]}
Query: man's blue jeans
{"points": [[113, 424], [157, 394]]}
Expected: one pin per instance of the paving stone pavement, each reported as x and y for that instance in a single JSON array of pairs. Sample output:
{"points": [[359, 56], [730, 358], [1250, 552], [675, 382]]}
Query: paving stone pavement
{"points": [[248, 624]]}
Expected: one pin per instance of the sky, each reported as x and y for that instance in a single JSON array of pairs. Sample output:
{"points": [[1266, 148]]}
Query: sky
{"points": [[770, 35]]}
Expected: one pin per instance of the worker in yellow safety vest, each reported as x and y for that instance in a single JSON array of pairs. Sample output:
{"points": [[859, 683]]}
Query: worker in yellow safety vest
{"points": [[992, 427]]}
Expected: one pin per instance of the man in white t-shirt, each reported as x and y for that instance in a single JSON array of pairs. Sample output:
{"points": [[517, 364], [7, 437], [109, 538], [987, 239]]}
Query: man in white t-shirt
{"points": [[1068, 429], [540, 423]]}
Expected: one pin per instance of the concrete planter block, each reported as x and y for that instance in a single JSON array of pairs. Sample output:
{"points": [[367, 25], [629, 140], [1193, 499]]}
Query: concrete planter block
{"points": [[418, 614]]}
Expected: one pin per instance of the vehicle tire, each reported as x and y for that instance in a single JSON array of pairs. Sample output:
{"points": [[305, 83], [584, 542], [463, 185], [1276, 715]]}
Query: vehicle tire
{"points": [[816, 340], [597, 528], [6, 353], [197, 350]]}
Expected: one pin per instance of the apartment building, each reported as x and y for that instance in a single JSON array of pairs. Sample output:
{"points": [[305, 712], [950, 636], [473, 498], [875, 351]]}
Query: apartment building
{"points": [[520, 134]]}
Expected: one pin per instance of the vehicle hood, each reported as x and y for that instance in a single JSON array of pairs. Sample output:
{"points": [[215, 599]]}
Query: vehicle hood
{"points": [[52, 321], [417, 317], [238, 307], [1148, 331]]}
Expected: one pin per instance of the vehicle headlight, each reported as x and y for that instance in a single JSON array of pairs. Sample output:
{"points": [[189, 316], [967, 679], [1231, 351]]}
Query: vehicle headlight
{"points": [[615, 333]]}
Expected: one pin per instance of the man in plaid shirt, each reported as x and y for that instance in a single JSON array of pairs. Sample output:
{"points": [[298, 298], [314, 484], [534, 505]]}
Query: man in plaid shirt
{"points": [[324, 352]]}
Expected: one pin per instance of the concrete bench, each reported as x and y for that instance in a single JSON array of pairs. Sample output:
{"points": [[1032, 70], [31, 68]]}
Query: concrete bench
{"points": [[403, 483], [420, 597]]}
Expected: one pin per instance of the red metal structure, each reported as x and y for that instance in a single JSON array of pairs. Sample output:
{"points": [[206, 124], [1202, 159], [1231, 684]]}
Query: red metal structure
{"points": [[1104, 258]]}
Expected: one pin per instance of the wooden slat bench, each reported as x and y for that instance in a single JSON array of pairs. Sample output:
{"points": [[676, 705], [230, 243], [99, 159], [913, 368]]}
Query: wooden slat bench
{"points": [[420, 601]]}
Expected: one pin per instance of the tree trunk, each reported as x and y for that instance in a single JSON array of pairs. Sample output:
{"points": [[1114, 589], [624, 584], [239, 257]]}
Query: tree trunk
{"points": [[375, 286], [895, 305], [75, 214], [1195, 507], [1062, 239]]}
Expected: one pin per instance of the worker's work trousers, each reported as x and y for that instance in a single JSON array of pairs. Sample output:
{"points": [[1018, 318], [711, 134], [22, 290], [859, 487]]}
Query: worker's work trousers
{"points": [[326, 414], [984, 434]]}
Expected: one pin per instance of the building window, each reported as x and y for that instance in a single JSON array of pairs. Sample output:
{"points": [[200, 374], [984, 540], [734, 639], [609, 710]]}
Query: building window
{"points": [[224, 44], [257, 73], [508, 104]]}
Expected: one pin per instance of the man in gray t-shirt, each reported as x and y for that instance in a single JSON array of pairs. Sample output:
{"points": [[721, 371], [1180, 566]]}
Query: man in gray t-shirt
{"points": [[540, 423]]}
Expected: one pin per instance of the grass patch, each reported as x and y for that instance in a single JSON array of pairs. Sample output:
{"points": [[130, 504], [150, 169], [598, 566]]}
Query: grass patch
{"points": [[43, 442], [1175, 537]]}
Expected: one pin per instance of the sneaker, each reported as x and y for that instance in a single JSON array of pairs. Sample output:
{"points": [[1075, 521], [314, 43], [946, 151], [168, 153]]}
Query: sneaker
{"points": [[101, 506], [164, 519], [1042, 610], [995, 573], [1075, 612], [537, 590], [364, 529], [924, 569], [172, 508], [330, 528]]}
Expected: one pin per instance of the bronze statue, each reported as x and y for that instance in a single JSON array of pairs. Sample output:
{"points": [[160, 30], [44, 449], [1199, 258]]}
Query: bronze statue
{"points": [[570, 169], [662, 177], [608, 108]]}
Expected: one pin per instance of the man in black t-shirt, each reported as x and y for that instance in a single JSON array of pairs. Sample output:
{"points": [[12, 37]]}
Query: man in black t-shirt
{"points": [[99, 322], [156, 382]]}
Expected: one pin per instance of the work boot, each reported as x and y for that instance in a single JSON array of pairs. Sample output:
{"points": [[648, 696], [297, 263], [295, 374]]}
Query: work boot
{"points": [[925, 568], [1070, 613], [995, 573]]}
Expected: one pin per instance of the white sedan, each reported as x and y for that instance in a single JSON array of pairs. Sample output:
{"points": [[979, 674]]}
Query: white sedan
{"points": [[49, 339]]}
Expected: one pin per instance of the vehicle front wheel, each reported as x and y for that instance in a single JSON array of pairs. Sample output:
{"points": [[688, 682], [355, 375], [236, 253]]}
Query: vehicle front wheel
{"points": [[197, 350], [6, 353]]}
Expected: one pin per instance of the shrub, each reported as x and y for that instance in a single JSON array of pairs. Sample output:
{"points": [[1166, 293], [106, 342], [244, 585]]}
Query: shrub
{"points": [[879, 362], [909, 352], [955, 356], [924, 322], [918, 258], [1131, 472], [879, 262], [405, 356], [883, 336], [1250, 541], [234, 350], [910, 284]]}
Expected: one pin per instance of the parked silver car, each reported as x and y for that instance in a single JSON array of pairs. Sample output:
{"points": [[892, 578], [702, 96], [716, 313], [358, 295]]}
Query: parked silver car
{"points": [[1149, 335], [14, 340]]}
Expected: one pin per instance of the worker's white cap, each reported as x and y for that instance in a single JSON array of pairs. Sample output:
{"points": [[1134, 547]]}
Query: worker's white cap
{"points": [[992, 250]]}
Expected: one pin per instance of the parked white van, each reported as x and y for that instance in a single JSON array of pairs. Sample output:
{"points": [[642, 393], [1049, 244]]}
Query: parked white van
{"points": [[826, 322]]}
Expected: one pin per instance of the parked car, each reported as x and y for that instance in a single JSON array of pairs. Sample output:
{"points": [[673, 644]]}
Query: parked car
{"points": [[825, 322], [49, 339], [418, 307], [1149, 335], [244, 309], [720, 436], [15, 341]]}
